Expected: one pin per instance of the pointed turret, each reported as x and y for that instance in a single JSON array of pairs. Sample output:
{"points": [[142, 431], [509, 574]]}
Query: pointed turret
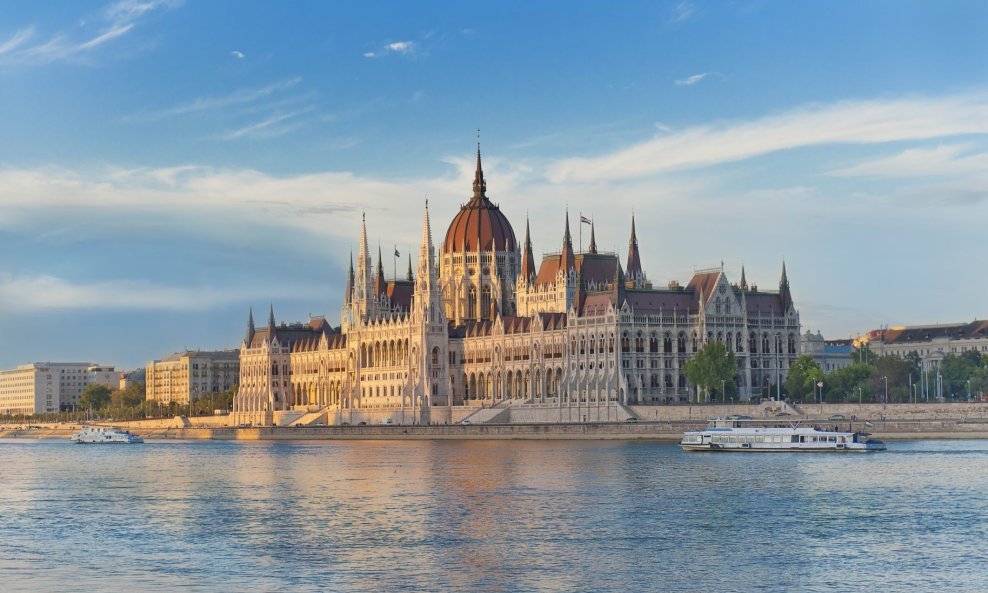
{"points": [[408, 275], [527, 259], [568, 259], [784, 295], [593, 240], [348, 291], [271, 324], [744, 281], [380, 285], [479, 185], [250, 327], [634, 259]]}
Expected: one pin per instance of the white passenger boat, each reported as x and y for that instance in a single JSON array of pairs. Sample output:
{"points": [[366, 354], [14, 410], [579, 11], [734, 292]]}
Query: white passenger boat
{"points": [[97, 435], [732, 434]]}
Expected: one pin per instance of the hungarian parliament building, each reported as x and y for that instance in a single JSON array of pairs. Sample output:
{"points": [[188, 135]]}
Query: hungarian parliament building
{"points": [[479, 324]]}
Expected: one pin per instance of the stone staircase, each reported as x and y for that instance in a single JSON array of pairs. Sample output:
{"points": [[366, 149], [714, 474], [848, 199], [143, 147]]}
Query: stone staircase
{"points": [[499, 414], [311, 418]]}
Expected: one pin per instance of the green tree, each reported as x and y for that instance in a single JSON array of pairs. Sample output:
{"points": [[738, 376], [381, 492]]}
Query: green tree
{"points": [[710, 368], [956, 370], [804, 374], [95, 397], [131, 397], [849, 383]]}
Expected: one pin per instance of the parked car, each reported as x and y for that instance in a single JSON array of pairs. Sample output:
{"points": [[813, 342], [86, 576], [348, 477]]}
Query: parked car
{"points": [[386, 421], [838, 417], [631, 420], [361, 423], [465, 422]]}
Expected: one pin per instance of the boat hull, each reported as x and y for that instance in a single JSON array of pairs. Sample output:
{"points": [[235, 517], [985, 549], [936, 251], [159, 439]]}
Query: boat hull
{"points": [[714, 449]]}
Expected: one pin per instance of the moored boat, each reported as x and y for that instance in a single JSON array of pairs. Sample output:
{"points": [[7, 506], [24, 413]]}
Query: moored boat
{"points": [[742, 435], [98, 435]]}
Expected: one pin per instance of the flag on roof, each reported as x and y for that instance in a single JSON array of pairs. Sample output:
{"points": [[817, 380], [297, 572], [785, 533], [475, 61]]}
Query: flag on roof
{"points": [[868, 424], [585, 220], [396, 252]]}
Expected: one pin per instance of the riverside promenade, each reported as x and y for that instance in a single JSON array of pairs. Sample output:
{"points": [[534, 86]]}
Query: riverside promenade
{"points": [[664, 423]]}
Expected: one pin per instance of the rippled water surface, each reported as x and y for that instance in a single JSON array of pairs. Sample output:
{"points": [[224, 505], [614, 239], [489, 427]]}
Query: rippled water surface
{"points": [[489, 516]]}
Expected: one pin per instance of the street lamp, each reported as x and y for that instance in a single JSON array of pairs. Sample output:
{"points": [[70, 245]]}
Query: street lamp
{"points": [[968, 390], [886, 389], [723, 393]]}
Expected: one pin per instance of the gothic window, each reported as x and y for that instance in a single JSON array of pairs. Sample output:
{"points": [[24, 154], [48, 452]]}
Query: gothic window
{"points": [[472, 303], [792, 344], [435, 356], [668, 381], [765, 348], [655, 381], [639, 343], [681, 346], [682, 381], [667, 343], [583, 345], [625, 343], [738, 344], [753, 344], [653, 344], [610, 344], [695, 340], [485, 303], [717, 306]]}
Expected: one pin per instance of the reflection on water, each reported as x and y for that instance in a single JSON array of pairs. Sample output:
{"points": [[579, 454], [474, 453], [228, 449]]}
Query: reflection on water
{"points": [[488, 516]]}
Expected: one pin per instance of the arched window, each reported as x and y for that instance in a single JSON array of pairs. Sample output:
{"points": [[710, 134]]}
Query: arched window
{"points": [[667, 343], [435, 356], [472, 303], [485, 303], [625, 343], [639, 343], [738, 342], [681, 346], [653, 343]]}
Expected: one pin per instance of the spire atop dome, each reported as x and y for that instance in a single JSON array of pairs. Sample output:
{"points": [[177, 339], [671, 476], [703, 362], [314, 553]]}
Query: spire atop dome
{"points": [[784, 295], [479, 185]]}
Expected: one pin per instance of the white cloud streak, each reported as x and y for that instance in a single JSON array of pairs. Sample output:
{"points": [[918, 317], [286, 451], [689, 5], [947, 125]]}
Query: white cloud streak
{"points": [[121, 18], [49, 293], [848, 122], [209, 103], [404, 48], [943, 160]]}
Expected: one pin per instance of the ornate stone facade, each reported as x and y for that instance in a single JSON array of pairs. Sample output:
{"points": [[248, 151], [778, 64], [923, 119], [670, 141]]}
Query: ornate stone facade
{"points": [[478, 324]]}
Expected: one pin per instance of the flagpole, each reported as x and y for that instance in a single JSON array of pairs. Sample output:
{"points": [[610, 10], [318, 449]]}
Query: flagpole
{"points": [[394, 259], [581, 232]]}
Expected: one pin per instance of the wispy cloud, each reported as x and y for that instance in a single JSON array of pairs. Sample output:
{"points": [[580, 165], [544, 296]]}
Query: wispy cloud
{"points": [[48, 293], [16, 40], [947, 159], [207, 103], [238, 54], [117, 19], [848, 122], [682, 12], [404, 48], [690, 81], [268, 127]]}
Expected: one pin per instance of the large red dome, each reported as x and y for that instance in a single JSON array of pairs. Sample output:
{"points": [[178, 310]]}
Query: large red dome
{"points": [[479, 225]]}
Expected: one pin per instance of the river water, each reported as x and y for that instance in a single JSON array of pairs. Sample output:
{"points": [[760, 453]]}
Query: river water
{"points": [[489, 516]]}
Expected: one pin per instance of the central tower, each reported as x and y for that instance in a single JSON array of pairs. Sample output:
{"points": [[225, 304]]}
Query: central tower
{"points": [[480, 260]]}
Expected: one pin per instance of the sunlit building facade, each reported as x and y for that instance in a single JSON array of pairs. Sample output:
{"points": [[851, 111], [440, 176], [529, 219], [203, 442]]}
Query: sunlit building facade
{"points": [[478, 323]]}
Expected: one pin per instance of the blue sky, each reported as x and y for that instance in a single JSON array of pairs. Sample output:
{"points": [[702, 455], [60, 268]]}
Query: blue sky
{"points": [[164, 165]]}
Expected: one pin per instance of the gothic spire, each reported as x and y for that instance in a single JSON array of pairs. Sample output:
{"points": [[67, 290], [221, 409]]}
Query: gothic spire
{"points": [[271, 324], [527, 259], [408, 275], [348, 292], [568, 259], [634, 259], [744, 281], [250, 326], [784, 295], [593, 240], [380, 285], [479, 185]]}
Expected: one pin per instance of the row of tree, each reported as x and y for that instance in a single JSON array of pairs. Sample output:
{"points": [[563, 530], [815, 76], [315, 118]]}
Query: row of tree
{"points": [[870, 378], [889, 379], [99, 401]]}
